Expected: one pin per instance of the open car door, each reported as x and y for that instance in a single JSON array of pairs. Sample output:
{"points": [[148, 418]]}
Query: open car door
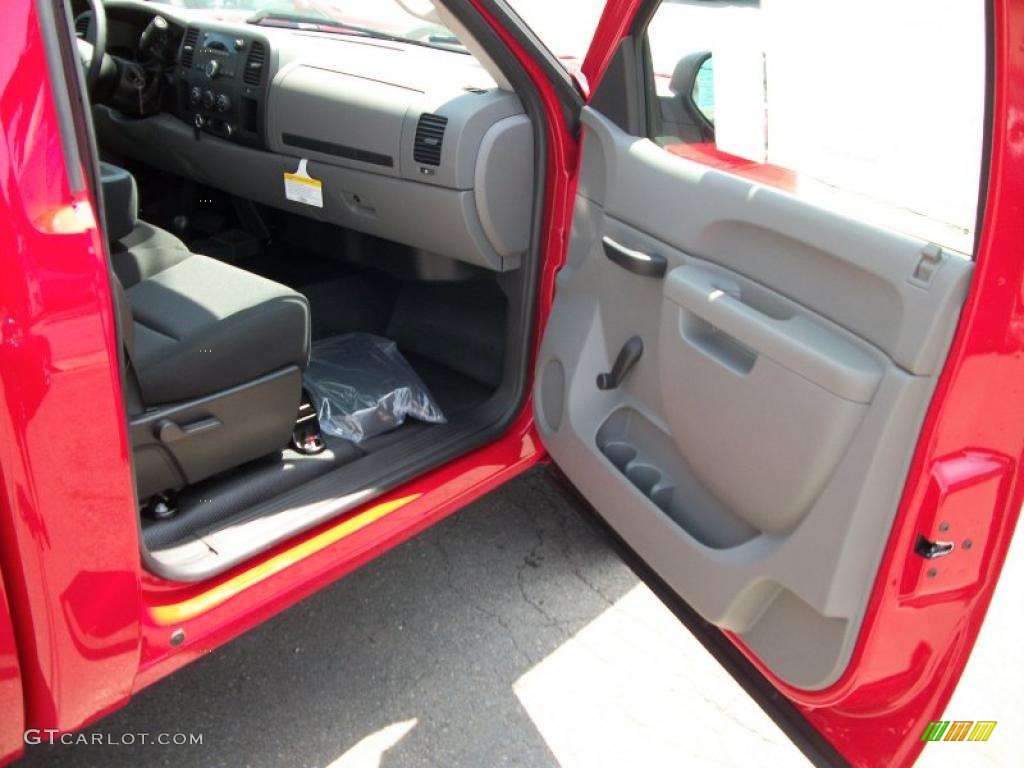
{"points": [[798, 417]]}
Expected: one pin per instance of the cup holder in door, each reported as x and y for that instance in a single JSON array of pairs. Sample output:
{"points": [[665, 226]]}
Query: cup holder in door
{"points": [[662, 497], [644, 477], [647, 458], [619, 454]]}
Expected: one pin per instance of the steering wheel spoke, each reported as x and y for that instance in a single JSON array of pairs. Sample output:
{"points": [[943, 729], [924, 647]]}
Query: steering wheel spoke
{"points": [[85, 53], [92, 50]]}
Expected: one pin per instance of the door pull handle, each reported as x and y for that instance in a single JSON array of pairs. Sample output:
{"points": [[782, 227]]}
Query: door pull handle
{"points": [[637, 262]]}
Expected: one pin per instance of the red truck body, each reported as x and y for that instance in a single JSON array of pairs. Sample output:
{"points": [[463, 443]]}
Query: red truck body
{"points": [[83, 626]]}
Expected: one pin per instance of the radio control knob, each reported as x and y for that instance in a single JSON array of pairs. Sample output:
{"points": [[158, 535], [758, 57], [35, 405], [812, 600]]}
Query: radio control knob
{"points": [[212, 68], [196, 94], [223, 103], [208, 100]]}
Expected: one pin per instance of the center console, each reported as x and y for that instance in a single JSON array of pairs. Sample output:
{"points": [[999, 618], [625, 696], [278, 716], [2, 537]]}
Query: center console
{"points": [[222, 79]]}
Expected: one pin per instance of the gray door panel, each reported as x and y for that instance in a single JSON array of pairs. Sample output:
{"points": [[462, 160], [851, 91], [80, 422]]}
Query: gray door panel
{"points": [[755, 454]]}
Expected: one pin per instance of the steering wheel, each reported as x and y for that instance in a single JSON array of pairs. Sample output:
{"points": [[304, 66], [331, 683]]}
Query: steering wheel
{"points": [[91, 52]]}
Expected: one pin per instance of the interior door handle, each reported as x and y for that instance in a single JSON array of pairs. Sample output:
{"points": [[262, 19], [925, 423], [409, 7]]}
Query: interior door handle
{"points": [[637, 262]]}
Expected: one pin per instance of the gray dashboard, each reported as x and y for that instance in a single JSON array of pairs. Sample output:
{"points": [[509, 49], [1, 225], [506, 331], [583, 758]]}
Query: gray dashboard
{"points": [[410, 143]]}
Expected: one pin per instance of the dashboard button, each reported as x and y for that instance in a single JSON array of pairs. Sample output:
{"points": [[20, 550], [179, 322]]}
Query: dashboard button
{"points": [[196, 94], [212, 68], [208, 100], [223, 103]]}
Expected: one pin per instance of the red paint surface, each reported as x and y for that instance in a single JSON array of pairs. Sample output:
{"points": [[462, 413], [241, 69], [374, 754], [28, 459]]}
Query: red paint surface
{"points": [[614, 24], [91, 628], [12, 712], [68, 541], [763, 173]]}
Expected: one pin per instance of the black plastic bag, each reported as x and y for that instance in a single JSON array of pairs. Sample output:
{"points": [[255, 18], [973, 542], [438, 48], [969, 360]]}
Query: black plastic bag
{"points": [[361, 386]]}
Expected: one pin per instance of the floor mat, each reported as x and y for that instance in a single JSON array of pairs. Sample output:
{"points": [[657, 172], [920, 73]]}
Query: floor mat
{"points": [[460, 325]]}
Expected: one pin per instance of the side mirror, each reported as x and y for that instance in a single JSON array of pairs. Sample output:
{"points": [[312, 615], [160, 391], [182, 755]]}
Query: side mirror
{"points": [[694, 84]]}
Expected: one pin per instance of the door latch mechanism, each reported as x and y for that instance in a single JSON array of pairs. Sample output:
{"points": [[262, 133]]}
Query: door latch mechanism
{"points": [[930, 550]]}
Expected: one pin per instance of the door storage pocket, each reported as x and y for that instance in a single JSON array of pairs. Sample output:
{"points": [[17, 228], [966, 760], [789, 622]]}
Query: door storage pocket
{"points": [[644, 454], [762, 398]]}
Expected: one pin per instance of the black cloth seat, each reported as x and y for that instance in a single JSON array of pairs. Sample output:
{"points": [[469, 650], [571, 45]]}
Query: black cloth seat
{"points": [[145, 235], [201, 326], [194, 326], [129, 254], [215, 353]]}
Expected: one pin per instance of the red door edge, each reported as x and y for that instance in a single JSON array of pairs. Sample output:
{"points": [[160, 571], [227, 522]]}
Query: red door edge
{"points": [[12, 712], [963, 484], [70, 564], [615, 23]]}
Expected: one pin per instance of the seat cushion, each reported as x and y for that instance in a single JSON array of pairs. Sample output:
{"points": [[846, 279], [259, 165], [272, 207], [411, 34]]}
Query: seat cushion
{"points": [[120, 200], [144, 252], [202, 326]]}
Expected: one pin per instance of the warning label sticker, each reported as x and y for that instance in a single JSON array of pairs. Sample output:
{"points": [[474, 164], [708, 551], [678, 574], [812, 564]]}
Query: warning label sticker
{"points": [[303, 188]]}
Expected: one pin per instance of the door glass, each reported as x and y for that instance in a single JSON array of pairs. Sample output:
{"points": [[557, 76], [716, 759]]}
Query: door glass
{"points": [[565, 28], [870, 107]]}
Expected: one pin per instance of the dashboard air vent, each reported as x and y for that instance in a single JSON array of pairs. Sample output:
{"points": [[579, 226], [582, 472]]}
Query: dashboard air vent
{"points": [[254, 63], [429, 137], [188, 47], [82, 25]]}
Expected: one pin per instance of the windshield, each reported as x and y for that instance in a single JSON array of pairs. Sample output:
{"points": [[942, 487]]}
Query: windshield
{"points": [[382, 18]]}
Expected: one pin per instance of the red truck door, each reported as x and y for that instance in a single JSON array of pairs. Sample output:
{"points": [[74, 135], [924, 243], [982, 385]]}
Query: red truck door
{"points": [[68, 533], [806, 422]]}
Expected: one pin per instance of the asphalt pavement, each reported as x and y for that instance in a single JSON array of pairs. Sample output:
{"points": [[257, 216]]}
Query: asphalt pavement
{"points": [[509, 634]]}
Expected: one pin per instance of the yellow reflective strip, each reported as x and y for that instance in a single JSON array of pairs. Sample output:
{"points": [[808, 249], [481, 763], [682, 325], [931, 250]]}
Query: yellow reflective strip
{"points": [[176, 613]]}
